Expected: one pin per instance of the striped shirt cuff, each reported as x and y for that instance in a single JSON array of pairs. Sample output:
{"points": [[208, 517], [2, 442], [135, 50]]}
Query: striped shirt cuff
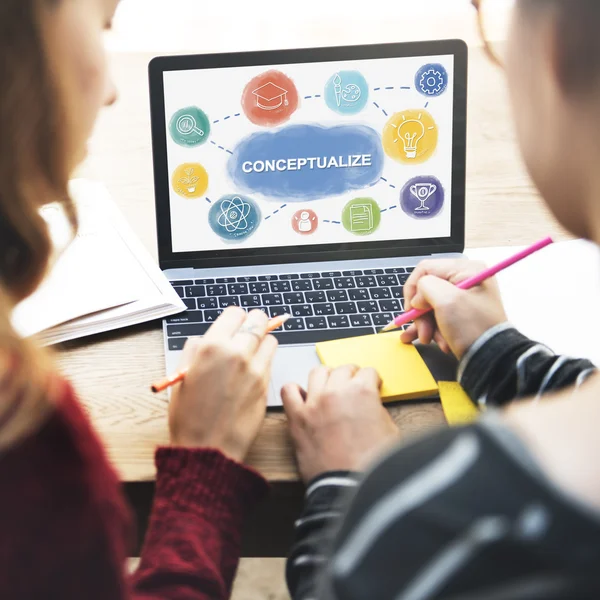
{"points": [[332, 481], [478, 345]]}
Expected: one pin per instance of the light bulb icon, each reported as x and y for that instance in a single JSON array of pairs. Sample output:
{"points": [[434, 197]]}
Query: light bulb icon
{"points": [[410, 136], [410, 133]]}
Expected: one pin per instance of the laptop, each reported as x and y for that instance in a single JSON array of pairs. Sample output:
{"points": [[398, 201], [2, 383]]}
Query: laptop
{"points": [[308, 182]]}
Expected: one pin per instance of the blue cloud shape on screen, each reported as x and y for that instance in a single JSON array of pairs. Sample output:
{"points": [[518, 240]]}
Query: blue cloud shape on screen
{"points": [[308, 162]]}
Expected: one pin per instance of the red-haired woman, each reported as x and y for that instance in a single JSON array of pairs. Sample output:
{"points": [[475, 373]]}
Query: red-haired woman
{"points": [[64, 527]]}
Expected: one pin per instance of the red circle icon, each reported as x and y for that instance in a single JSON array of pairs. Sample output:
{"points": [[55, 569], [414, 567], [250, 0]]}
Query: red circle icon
{"points": [[305, 221], [270, 99]]}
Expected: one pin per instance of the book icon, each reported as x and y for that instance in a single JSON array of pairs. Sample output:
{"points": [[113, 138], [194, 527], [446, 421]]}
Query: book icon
{"points": [[361, 218]]}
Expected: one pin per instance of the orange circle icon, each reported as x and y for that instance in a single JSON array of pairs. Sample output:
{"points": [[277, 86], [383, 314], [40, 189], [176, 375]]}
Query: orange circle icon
{"points": [[270, 99], [190, 180]]}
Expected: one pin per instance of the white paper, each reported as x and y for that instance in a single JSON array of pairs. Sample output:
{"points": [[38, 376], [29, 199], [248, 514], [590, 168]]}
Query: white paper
{"points": [[90, 275], [553, 296], [104, 279]]}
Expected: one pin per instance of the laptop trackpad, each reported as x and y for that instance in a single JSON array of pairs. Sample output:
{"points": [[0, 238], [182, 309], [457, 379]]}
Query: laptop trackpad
{"points": [[292, 364]]}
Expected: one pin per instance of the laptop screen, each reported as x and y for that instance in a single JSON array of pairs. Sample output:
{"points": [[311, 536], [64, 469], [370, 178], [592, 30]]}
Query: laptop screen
{"points": [[310, 155]]}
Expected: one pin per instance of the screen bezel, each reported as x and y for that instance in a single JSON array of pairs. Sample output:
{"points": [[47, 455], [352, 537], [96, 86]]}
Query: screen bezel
{"points": [[322, 252]]}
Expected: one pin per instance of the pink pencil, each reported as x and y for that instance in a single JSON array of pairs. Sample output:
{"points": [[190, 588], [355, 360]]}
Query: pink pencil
{"points": [[467, 284]]}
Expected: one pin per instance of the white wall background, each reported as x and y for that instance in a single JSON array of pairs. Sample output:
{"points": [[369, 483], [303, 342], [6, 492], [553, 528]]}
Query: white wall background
{"points": [[218, 25]]}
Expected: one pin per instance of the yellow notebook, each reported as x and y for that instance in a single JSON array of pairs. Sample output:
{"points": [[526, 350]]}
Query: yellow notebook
{"points": [[404, 373], [458, 407]]}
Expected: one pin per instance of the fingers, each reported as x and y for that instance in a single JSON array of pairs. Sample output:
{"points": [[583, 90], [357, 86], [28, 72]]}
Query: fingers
{"points": [[342, 375], [450, 270], [317, 380], [426, 328], [252, 332], [293, 401], [370, 377], [422, 269], [435, 293], [409, 335], [190, 350], [441, 342], [422, 329], [226, 325], [263, 359], [413, 333]]}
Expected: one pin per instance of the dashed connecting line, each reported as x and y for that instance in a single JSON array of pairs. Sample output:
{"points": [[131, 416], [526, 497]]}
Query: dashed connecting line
{"points": [[383, 179], [390, 184], [226, 118], [394, 206], [386, 88], [276, 211], [221, 147], [391, 87], [381, 109]]}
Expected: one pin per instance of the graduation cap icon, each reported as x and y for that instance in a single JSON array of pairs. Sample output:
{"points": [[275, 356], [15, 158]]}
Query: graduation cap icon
{"points": [[270, 96]]}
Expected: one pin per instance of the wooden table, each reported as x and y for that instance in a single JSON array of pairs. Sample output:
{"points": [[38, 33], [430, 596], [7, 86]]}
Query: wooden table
{"points": [[112, 371]]}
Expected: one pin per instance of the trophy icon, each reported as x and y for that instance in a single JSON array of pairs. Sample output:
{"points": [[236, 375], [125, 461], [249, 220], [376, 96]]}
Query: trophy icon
{"points": [[422, 192]]}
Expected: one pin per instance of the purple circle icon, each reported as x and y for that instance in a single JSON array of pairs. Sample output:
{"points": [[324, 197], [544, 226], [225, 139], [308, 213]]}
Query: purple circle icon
{"points": [[422, 197]]}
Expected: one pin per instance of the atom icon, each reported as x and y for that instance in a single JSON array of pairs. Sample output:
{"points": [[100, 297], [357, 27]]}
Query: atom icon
{"points": [[234, 218], [234, 215]]}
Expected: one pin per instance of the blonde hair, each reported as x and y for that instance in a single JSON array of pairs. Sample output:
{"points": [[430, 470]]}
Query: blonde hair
{"points": [[33, 171]]}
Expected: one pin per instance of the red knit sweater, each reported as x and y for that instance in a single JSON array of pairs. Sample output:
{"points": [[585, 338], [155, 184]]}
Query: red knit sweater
{"points": [[65, 528]]}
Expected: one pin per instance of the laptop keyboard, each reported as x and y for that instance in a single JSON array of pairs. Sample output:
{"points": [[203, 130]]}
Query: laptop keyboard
{"points": [[323, 305]]}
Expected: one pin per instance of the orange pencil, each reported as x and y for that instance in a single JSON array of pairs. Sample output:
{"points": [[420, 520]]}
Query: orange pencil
{"points": [[162, 385]]}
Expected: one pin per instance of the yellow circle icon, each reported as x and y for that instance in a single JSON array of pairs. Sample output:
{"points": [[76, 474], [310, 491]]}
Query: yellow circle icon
{"points": [[410, 137], [190, 180]]}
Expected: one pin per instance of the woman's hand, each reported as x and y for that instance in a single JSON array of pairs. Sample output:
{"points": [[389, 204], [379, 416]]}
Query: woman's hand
{"points": [[222, 401], [460, 317], [339, 423]]}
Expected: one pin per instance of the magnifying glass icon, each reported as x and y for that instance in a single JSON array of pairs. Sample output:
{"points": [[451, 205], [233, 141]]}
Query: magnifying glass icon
{"points": [[186, 125]]}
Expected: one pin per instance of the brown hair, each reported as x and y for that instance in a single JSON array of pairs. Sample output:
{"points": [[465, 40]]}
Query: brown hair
{"points": [[579, 51], [33, 170], [32, 163]]}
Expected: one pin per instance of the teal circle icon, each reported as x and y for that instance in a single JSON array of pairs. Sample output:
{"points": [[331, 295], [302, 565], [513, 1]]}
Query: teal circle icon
{"points": [[190, 127], [347, 92], [234, 217]]}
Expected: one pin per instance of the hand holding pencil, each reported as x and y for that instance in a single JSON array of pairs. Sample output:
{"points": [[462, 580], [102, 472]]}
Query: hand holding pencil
{"points": [[179, 376], [222, 401], [459, 317]]}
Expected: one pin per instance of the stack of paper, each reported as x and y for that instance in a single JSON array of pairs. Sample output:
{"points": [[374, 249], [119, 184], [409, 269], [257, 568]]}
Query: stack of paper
{"points": [[103, 280]]}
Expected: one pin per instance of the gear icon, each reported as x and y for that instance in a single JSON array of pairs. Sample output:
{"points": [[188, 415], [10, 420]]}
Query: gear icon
{"points": [[432, 80]]}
